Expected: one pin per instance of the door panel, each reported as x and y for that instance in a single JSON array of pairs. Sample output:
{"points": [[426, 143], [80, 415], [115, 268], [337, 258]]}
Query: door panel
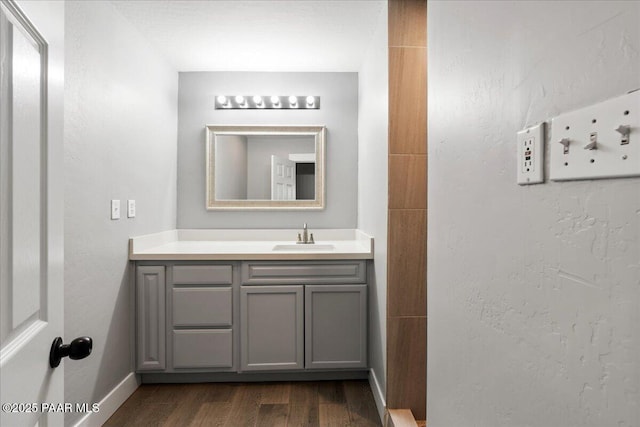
{"points": [[31, 200], [22, 148], [283, 179]]}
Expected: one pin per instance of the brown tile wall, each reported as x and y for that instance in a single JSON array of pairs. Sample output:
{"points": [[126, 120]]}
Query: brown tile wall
{"points": [[407, 263], [407, 243], [407, 100]]}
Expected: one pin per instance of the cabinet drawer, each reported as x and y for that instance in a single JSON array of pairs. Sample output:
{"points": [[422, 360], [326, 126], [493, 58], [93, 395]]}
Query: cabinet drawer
{"points": [[202, 306], [203, 348], [275, 272], [202, 274]]}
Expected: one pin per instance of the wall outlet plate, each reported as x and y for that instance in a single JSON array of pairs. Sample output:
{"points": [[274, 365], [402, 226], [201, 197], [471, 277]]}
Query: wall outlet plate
{"points": [[600, 141], [531, 155]]}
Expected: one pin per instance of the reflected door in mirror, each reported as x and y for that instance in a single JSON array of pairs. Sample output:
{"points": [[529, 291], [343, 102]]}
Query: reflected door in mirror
{"points": [[283, 179]]}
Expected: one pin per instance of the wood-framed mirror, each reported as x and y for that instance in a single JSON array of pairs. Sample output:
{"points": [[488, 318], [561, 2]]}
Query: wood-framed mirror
{"points": [[265, 167]]}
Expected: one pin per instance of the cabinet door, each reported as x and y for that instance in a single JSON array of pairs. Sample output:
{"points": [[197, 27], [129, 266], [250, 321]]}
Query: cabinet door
{"points": [[335, 326], [150, 318], [271, 330]]}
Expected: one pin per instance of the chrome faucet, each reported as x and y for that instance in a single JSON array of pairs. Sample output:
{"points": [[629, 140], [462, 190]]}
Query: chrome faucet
{"points": [[305, 238]]}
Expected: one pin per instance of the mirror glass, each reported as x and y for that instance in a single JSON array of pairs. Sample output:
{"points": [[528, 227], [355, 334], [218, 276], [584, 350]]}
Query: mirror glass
{"points": [[265, 167]]}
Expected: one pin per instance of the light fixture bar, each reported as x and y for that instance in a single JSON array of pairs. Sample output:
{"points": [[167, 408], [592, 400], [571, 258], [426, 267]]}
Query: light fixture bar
{"points": [[267, 102]]}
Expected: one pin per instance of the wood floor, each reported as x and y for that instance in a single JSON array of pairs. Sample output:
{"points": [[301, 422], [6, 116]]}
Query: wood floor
{"points": [[318, 403]]}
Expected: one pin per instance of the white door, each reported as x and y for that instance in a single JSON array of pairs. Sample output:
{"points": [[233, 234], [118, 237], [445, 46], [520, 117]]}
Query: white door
{"points": [[283, 178], [31, 209]]}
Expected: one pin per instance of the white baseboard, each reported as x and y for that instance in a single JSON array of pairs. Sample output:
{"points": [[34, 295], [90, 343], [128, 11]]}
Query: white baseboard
{"points": [[378, 396], [111, 402]]}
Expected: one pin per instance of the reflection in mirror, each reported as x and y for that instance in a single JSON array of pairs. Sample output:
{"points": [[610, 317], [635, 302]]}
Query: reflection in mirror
{"points": [[265, 167]]}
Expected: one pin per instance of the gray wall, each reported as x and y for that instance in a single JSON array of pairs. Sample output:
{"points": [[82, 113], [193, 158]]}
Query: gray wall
{"points": [[373, 129], [231, 155], [339, 112], [120, 143], [533, 292]]}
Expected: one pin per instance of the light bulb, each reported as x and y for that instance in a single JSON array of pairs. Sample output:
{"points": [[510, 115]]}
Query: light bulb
{"points": [[240, 99], [275, 100], [293, 100], [257, 100], [222, 99], [310, 101]]}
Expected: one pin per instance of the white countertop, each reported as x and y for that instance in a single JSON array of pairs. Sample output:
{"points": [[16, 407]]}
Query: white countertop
{"points": [[245, 244]]}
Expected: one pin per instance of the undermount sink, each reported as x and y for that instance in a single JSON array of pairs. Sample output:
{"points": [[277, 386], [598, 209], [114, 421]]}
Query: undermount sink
{"points": [[304, 247]]}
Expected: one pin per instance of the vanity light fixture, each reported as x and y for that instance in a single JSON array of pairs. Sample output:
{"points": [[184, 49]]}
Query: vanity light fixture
{"points": [[223, 101], [257, 100], [310, 101], [264, 102], [242, 103]]}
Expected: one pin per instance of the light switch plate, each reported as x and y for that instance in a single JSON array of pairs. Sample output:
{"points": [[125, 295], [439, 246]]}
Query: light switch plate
{"points": [[612, 155], [115, 209], [531, 155], [131, 208]]}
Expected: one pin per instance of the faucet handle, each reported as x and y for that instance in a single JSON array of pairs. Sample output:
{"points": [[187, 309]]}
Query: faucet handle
{"points": [[299, 238], [311, 238]]}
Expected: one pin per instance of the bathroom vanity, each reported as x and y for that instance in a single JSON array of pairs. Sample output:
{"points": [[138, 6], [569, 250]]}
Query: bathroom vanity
{"points": [[243, 303]]}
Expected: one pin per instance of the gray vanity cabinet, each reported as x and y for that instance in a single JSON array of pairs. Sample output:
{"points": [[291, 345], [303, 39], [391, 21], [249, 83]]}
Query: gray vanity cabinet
{"points": [[150, 318], [335, 326], [271, 332], [308, 315], [251, 317]]}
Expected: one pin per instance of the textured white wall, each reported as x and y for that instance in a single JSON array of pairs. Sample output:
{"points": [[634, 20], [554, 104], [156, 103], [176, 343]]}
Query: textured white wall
{"points": [[338, 112], [533, 292], [373, 129], [120, 143]]}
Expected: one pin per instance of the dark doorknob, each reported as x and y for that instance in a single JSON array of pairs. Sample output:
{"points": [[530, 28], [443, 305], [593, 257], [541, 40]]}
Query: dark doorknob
{"points": [[78, 349]]}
